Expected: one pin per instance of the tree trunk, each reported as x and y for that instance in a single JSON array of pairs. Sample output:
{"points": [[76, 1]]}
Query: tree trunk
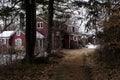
{"points": [[50, 25], [109, 7], [30, 29]]}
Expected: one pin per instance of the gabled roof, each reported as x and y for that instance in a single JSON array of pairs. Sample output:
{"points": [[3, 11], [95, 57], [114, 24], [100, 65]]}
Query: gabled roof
{"points": [[6, 34], [41, 19]]}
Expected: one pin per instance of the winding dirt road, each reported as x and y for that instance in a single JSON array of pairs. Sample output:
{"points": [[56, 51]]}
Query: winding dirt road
{"points": [[72, 66]]}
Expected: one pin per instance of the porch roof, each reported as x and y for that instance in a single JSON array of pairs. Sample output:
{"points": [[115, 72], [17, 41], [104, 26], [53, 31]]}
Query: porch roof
{"points": [[6, 34], [39, 35]]}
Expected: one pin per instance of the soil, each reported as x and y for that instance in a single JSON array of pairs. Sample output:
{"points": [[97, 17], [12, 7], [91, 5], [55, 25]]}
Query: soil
{"points": [[72, 66]]}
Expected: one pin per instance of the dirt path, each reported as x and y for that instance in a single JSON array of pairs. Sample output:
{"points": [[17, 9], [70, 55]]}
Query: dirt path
{"points": [[73, 66]]}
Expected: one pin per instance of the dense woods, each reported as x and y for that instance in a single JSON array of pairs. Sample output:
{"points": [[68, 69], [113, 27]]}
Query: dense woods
{"points": [[110, 39], [102, 17]]}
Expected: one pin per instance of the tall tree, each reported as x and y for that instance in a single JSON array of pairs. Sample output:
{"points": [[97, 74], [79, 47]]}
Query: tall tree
{"points": [[50, 25], [30, 29]]}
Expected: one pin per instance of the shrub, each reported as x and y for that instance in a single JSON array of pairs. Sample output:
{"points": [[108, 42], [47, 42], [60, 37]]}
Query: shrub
{"points": [[109, 52]]}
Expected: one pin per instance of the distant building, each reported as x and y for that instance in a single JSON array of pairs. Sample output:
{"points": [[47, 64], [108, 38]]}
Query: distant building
{"points": [[41, 34], [16, 38], [72, 38], [12, 39]]}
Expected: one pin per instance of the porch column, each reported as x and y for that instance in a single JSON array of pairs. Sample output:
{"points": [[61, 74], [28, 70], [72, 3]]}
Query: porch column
{"points": [[42, 43]]}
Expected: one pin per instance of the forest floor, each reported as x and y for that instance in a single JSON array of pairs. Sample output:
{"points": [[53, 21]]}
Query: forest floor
{"points": [[75, 65]]}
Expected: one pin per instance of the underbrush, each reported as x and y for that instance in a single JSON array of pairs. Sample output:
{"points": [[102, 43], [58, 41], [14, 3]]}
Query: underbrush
{"points": [[35, 71], [109, 55], [105, 63]]}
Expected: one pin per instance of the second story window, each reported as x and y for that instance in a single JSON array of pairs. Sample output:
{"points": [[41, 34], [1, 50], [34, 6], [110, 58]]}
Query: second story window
{"points": [[18, 33], [39, 24]]}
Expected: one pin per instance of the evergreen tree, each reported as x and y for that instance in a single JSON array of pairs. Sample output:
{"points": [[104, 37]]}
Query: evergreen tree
{"points": [[50, 25], [30, 29]]}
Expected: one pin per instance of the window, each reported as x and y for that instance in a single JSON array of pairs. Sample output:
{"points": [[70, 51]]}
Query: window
{"points": [[18, 33], [75, 38], [18, 42], [40, 24], [2, 41]]}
